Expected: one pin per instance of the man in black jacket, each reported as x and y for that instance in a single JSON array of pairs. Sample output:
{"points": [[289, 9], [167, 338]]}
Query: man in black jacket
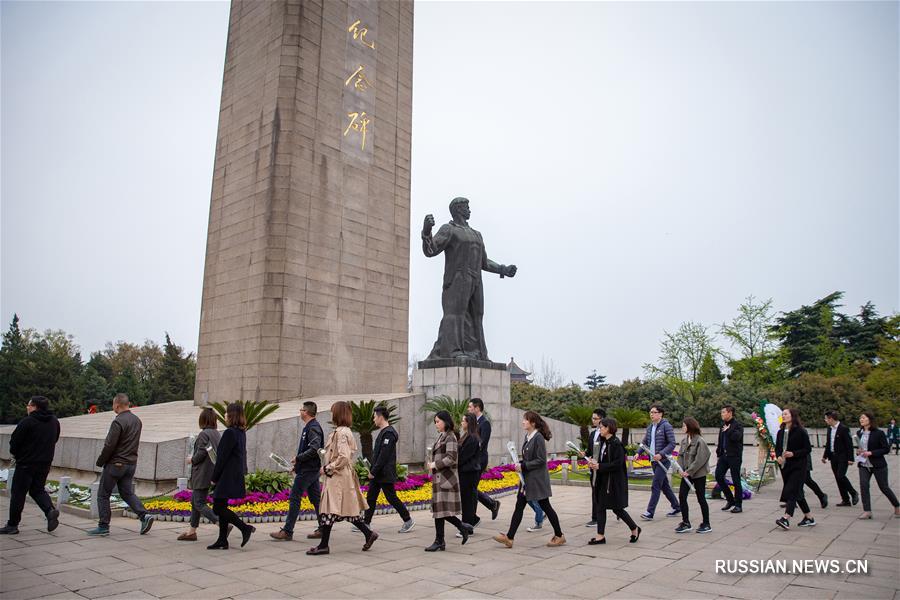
{"points": [[118, 459], [730, 450], [306, 466], [839, 450], [384, 470], [593, 451], [32, 444], [476, 407]]}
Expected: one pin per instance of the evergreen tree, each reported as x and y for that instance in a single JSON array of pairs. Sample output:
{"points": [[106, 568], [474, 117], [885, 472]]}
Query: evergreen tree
{"points": [[14, 374], [595, 381], [175, 380], [709, 371]]}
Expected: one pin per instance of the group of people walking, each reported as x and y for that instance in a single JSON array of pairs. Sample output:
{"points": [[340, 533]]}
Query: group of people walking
{"points": [[323, 470]]}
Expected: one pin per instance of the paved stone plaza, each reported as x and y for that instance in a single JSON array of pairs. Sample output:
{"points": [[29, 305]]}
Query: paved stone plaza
{"points": [[67, 564]]}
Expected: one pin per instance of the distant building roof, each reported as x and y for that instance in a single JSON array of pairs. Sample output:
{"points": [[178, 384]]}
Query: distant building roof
{"points": [[516, 373]]}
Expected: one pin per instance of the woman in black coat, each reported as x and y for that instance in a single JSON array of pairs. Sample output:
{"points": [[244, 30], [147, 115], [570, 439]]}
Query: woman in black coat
{"points": [[228, 476], [611, 482], [873, 446], [792, 448], [469, 467]]}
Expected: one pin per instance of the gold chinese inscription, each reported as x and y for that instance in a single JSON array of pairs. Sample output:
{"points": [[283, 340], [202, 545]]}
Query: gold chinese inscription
{"points": [[359, 122], [359, 32], [360, 82]]}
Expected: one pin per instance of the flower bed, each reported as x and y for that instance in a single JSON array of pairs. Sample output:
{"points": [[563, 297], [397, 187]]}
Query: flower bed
{"points": [[414, 492]]}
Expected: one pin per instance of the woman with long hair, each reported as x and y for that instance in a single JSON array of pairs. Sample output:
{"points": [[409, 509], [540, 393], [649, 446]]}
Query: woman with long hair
{"points": [[445, 491], [342, 499], [228, 476], [873, 446], [469, 467], [694, 461], [792, 447], [611, 488], [533, 467], [201, 473]]}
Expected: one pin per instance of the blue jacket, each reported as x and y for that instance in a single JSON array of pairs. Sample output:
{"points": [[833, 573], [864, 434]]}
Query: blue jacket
{"points": [[665, 439]]}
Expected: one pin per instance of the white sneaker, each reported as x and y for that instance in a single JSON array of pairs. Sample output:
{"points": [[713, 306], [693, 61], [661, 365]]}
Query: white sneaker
{"points": [[535, 527]]}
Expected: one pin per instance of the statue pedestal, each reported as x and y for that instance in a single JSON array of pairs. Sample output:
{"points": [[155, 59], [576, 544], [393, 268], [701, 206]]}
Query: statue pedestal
{"points": [[459, 379]]}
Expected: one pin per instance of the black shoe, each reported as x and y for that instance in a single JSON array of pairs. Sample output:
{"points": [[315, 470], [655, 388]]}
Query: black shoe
{"points": [[591, 523], [704, 528], [218, 546], [466, 530], [315, 551], [855, 499], [824, 500], [595, 541], [9, 530], [435, 546], [737, 509], [495, 510], [683, 528], [844, 503], [371, 540], [807, 522], [245, 535], [477, 521], [728, 506], [783, 523], [52, 519], [634, 538]]}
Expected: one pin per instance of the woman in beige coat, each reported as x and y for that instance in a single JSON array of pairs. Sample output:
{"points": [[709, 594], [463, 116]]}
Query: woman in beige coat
{"points": [[342, 499]]}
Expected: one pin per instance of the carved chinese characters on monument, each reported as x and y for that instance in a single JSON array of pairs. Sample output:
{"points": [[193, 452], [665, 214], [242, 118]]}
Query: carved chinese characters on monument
{"points": [[359, 84]]}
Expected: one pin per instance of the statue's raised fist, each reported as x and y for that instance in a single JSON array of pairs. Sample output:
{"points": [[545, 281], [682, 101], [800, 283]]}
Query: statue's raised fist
{"points": [[429, 223], [511, 271]]}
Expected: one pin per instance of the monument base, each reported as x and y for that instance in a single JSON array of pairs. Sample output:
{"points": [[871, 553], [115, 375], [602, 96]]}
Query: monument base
{"points": [[464, 381], [437, 363]]}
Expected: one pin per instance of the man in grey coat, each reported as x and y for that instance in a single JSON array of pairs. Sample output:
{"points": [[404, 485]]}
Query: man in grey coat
{"points": [[119, 462]]}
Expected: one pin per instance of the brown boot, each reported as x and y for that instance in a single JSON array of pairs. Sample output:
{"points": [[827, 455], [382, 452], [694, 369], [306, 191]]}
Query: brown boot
{"points": [[557, 541], [502, 539], [315, 535], [282, 535], [187, 537]]}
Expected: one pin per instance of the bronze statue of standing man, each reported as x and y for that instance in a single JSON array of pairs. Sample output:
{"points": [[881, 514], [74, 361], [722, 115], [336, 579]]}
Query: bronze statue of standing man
{"points": [[461, 334]]}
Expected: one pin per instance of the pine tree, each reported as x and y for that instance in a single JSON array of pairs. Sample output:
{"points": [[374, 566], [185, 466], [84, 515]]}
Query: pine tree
{"points": [[595, 381]]}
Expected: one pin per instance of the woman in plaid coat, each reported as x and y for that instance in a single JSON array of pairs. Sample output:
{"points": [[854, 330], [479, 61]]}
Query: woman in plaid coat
{"points": [[445, 499]]}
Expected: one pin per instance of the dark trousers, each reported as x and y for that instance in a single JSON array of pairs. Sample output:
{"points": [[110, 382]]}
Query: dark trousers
{"points": [[325, 530], [390, 494], [439, 527], [121, 475], [593, 496], [226, 518], [811, 484], [303, 482], [700, 490], [30, 480], [468, 494], [839, 468], [881, 478], [792, 493], [619, 512], [483, 498], [660, 485], [732, 465], [200, 508], [521, 503]]}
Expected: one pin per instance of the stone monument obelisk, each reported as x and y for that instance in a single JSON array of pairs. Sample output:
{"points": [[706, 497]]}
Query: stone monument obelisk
{"points": [[306, 283]]}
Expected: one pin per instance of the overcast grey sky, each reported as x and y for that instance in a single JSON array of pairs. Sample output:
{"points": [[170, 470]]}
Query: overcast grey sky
{"points": [[643, 164]]}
